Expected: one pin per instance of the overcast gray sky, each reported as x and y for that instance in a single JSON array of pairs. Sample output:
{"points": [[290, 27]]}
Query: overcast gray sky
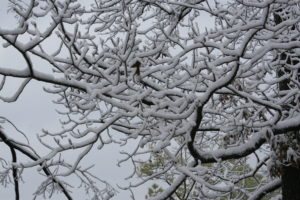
{"points": [[34, 111]]}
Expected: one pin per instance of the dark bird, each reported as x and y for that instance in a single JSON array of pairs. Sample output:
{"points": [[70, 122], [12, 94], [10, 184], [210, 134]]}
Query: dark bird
{"points": [[137, 65]]}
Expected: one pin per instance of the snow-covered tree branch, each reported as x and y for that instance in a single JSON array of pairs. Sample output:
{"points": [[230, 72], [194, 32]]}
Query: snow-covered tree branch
{"points": [[203, 85]]}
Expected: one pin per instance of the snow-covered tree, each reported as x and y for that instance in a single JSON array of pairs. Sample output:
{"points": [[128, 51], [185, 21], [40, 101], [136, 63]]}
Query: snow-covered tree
{"points": [[206, 85]]}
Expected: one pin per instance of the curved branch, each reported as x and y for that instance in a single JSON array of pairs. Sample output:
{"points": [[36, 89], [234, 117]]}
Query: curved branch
{"points": [[198, 118], [270, 187], [252, 145], [17, 93], [46, 170]]}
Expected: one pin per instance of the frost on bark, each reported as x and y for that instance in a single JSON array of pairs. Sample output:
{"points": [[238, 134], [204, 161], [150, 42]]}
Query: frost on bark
{"points": [[209, 106]]}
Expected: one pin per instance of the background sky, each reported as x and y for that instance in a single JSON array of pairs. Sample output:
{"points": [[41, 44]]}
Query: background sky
{"points": [[34, 111]]}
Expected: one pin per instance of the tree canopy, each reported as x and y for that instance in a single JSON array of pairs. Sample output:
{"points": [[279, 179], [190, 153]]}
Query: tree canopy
{"points": [[202, 87]]}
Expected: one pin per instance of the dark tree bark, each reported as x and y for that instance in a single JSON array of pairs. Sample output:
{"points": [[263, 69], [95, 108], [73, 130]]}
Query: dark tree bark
{"points": [[290, 172], [290, 177], [15, 174]]}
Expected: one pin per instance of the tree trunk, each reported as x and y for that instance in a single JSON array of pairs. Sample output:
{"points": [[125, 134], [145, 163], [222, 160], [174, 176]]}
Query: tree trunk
{"points": [[290, 174], [290, 183]]}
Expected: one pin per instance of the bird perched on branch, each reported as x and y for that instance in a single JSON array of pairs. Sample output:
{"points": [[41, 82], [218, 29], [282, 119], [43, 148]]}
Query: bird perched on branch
{"points": [[137, 73]]}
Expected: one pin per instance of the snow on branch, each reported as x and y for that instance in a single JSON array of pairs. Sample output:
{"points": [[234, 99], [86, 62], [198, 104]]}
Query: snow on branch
{"points": [[210, 83]]}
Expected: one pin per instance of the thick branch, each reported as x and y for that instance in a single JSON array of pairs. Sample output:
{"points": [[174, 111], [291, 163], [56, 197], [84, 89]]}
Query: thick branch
{"points": [[252, 145], [270, 187]]}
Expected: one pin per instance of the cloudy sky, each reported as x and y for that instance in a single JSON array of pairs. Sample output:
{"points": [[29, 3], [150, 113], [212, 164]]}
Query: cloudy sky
{"points": [[34, 111]]}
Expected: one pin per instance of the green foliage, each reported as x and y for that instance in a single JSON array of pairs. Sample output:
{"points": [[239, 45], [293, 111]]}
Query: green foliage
{"points": [[148, 168], [153, 191], [187, 189], [248, 184]]}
